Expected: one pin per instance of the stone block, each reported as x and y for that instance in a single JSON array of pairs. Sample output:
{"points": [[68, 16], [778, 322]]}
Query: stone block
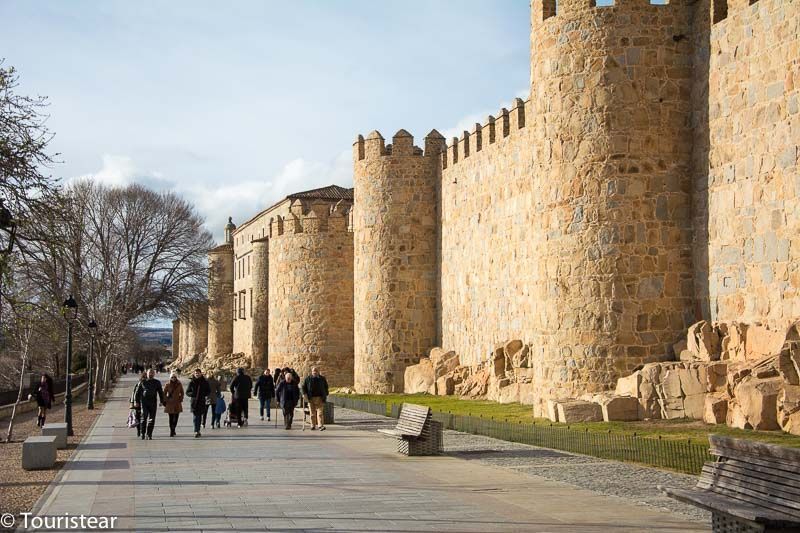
{"points": [[703, 340], [758, 401], [521, 358], [762, 342], [694, 405], [39, 452], [508, 394], [527, 393], [59, 431], [620, 408], [629, 385], [445, 386], [572, 411], [419, 378], [445, 363], [552, 410], [715, 409], [789, 409]]}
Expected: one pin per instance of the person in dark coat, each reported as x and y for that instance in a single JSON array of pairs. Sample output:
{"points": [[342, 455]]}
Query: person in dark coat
{"points": [[199, 392], [241, 386], [136, 406], [264, 391], [214, 392], [149, 395], [44, 397], [315, 389], [288, 395]]}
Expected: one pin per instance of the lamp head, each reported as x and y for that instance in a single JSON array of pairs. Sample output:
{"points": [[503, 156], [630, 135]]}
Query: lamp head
{"points": [[70, 308]]}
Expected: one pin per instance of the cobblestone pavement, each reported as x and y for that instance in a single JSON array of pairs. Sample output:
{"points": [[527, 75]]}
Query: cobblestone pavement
{"points": [[262, 478], [634, 483]]}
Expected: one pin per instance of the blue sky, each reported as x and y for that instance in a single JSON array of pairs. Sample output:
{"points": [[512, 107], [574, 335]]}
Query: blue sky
{"points": [[234, 105]]}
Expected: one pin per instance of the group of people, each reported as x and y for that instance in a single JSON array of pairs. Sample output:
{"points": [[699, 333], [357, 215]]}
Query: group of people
{"points": [[208, 393]]}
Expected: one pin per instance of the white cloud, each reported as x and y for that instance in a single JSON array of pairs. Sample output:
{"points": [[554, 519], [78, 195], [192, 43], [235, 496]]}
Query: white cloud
{"points": [[243, 199]]}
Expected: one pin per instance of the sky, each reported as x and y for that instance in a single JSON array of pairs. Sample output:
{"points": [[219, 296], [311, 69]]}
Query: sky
{"points": [[235, 105]]}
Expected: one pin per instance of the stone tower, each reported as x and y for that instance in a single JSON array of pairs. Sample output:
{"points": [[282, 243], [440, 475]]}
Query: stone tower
{"points": [[176, 339], [220, 289], [609, 127], [260, 302], [395, 222], [311, 291]]}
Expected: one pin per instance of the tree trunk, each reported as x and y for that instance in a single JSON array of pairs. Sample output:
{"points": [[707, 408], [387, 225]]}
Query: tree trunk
{"points": [[19, 397]]}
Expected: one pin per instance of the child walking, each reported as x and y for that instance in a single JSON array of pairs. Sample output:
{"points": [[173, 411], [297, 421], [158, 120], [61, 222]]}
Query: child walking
{"points": [[218, 410]]}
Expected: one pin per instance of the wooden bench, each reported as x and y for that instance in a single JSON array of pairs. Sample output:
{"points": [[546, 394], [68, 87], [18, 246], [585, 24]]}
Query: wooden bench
{"points": [[750, 487], [416, 431]]}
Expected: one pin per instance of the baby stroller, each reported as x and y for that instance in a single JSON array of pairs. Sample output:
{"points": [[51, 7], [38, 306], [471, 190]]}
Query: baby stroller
{"points": [[234, 415]]}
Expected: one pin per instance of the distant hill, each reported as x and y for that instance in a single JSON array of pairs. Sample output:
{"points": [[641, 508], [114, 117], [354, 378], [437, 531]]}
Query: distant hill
{"points": [[159, 336]]}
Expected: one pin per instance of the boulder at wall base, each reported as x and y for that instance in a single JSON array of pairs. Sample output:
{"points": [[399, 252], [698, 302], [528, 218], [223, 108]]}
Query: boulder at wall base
{"points": [[732, 345], [761, 342], [572, 411], [419, 378], [758, 401], [619, 408], [445, 364], [499, 362], [527, 393], [629, 385], [703, 341], [445, 386], [521, 359], [789, 409], [715, 409], [552, 410], [476, 385]]}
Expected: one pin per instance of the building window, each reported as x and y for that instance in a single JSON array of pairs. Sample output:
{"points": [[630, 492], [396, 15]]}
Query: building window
{"points": [[233, 307], [242, 305], [248, 265], [251, 303]]}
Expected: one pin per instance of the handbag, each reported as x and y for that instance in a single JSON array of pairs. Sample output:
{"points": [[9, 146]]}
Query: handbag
{"points": [[132, 421]]}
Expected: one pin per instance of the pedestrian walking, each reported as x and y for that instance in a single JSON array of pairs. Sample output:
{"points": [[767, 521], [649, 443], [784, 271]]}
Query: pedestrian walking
{"points": [[315, 389], [218, 410], [136, 407], [173, 406], [44, 397], [241, 386], [288, 395], [265, 392], [214, 392], [149, 395], [198, 391]]}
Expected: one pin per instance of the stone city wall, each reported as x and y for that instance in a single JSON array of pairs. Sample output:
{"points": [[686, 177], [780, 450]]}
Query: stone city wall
{"points": [[572, 229], [310, 293], [753, 204]]}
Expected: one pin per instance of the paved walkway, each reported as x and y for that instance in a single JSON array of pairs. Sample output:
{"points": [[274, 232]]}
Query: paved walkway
{"points": [[343, 479]]}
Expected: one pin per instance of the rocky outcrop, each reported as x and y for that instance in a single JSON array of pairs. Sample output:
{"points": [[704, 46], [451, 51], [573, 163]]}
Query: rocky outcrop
{"points": [[745, 376]]}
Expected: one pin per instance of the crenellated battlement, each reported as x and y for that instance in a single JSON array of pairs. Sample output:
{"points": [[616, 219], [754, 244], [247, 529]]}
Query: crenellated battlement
{"points": [[402, 145], [333, 219], [542, 10], [483, 136]]}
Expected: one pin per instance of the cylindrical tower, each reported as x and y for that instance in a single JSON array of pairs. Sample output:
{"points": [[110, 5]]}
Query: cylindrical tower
{"points": [[609, 130], [311, 294], [395, 224], [197, 330], [220, 289], [259, 295]]}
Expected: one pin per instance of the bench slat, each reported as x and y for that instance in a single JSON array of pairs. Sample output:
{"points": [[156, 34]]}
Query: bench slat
{"points": [[761, 473], [763, 460], [789, 456], [726, 488], [725, 504], [720, 476]]}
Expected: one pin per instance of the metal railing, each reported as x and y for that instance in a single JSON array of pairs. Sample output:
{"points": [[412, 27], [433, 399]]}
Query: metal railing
{"points": [[679, 455]]}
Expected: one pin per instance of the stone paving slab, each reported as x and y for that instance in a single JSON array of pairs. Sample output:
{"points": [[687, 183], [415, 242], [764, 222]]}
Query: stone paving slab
{"points": [[261, 478]]}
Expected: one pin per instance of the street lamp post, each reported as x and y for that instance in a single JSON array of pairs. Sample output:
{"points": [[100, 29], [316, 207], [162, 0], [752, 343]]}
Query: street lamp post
{"points": [[90, 392], [70, 311]]}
